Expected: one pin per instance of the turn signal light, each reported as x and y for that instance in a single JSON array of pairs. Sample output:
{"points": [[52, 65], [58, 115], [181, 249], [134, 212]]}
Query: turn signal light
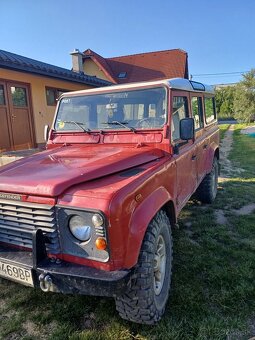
{"points": [[101, 243]]}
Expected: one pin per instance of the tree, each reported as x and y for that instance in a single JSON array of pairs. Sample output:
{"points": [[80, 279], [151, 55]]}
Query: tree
{"points": [[225, 101], [244, 99]]}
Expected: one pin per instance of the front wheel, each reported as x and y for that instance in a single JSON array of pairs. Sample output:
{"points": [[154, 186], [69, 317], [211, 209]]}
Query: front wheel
{"points": [[207, 190], [146, 296]]}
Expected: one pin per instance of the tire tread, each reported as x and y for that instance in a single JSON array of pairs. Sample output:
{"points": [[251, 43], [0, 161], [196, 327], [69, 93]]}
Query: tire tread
{"points": [[137, 304], [204, 191]]}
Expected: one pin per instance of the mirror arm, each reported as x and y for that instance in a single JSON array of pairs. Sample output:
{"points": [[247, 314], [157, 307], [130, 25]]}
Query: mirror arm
{"points": [[176, 149], [178, 145], [46, 133]]}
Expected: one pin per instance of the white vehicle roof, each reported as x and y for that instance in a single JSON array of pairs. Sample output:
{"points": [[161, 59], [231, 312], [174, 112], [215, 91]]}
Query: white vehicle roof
{"points": [[174, 83]]}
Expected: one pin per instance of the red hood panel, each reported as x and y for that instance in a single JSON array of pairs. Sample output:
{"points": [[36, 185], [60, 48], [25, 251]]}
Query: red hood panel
{"points": [[51, 172]]}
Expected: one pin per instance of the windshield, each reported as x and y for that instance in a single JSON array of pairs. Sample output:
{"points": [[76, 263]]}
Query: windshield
{"points": [[130, 110]]}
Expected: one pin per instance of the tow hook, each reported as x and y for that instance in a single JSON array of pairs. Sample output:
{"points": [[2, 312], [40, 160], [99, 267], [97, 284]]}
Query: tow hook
{"points": [[46, 283]]}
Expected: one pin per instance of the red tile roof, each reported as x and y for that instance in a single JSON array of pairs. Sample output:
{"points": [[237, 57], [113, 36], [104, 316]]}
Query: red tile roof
{"points": [[143, 66], [12, 61]]}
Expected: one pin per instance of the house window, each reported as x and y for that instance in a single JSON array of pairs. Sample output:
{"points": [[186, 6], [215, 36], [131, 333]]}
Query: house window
{"points": [[197, 111], [122, 75], [210, 112], [19, 96], [52, 95], [180, 111], [2, 100]]}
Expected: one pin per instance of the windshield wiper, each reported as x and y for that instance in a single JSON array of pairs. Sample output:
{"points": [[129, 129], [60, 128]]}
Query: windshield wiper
{"points": [[79, 124], [116, 122]]}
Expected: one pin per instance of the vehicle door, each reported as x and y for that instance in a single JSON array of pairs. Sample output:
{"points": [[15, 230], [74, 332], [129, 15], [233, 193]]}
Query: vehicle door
{"points": [[211, 130], [201, 140], [184, 151]]}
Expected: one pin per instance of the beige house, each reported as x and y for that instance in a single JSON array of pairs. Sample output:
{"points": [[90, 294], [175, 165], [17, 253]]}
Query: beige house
{"points": [[28, 93]]}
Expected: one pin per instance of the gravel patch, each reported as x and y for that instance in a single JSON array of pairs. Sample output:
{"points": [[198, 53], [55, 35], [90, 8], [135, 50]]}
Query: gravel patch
{"points": [[248, 130], [227, 169], [220, 217], [245, 210]]}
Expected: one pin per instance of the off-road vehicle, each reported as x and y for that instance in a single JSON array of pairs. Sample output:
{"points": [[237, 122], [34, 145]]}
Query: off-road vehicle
{"points": [[92, 214]]}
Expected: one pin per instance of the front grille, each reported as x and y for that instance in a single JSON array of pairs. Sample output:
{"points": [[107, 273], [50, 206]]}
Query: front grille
{"points": [[19, 219]]}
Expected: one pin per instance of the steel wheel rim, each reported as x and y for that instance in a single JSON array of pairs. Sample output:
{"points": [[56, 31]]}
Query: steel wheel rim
{"points": [[159, 265]]}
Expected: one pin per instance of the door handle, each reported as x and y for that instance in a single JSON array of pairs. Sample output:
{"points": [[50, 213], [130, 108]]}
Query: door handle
{"points": [[193, 157], [13, 116]]}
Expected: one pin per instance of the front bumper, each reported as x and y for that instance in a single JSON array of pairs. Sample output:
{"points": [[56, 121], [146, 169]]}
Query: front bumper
{"points": [[64, 277]]}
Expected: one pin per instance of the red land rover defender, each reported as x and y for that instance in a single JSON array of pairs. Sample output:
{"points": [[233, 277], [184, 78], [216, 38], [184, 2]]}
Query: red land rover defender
{"points": [[93, 213]]}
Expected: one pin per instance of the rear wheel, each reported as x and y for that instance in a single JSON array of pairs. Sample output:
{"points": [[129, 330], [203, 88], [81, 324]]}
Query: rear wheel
{"points": [[146, 296], [207, 190]]}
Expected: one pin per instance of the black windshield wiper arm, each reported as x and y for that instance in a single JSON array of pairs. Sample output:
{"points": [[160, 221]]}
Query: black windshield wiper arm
{"points": [[116, 122], [77, 124]]}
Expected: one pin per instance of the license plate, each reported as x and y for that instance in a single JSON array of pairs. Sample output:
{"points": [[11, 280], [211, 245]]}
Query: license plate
{"points": [[16, 273]]}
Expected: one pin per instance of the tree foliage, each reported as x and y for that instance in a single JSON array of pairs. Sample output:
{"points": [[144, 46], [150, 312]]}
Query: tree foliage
{"points": [[225, 101], [244, 99], [237, 101]]}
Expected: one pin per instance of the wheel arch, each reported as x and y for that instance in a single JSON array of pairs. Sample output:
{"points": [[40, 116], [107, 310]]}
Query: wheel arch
{"points": [[169, 208], [217, 153], [142, 216], [212, 152]]}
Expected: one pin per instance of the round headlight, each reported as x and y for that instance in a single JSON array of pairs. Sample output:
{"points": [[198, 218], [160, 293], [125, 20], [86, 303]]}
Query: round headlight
{"points": [[97, 220], [79, 229]]}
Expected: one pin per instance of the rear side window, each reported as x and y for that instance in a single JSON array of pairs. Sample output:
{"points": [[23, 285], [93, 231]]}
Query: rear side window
{"points": [[180, 111], [210, 112], [197, 111]]}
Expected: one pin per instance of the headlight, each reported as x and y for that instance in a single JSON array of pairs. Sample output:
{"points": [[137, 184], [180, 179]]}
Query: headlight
{"points": [[79, 229], [97, 220]]}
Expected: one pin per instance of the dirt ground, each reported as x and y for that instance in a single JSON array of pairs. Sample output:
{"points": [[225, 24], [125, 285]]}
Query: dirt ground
{"points": [[229, 171]]}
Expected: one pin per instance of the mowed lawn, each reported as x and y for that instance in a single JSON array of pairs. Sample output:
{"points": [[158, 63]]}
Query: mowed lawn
{"points": [[213, 287]]}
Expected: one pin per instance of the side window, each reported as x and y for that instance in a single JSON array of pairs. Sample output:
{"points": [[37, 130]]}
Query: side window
{"points": [[52, 95], [210, 112], [197, 111], [180, 111]]}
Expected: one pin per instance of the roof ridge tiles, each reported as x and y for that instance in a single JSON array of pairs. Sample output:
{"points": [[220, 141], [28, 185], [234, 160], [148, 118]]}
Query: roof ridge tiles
{"points": [[152, 52]]}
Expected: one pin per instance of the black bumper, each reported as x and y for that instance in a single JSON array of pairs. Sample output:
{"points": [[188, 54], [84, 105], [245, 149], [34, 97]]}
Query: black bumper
{"points": [[66, 277]]}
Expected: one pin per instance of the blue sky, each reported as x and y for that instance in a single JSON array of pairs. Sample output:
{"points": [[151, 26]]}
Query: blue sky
{"points": [[219, 35]]}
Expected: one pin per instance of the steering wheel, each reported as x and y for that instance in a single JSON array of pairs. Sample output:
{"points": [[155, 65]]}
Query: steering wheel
{"points": [[150, 122], [145, 122]]}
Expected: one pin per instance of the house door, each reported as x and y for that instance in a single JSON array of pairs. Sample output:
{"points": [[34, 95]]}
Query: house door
{"points": [[16, 131], [5, 135]]}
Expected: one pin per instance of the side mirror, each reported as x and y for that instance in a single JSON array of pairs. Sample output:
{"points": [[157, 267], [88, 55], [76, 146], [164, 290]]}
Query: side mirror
{"points": [[187, 129], [46, 132]]}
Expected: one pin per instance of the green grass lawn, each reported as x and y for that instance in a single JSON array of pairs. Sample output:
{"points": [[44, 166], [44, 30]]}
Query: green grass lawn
{"points": [[213, 290]]}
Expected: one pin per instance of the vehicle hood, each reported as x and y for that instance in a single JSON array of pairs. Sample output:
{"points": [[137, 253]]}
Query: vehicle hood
{"points": [[50, 173]]}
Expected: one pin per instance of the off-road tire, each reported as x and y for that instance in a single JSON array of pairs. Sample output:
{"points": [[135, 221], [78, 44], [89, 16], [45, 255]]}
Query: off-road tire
{"points": [[207, 190], [140, 303]]}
